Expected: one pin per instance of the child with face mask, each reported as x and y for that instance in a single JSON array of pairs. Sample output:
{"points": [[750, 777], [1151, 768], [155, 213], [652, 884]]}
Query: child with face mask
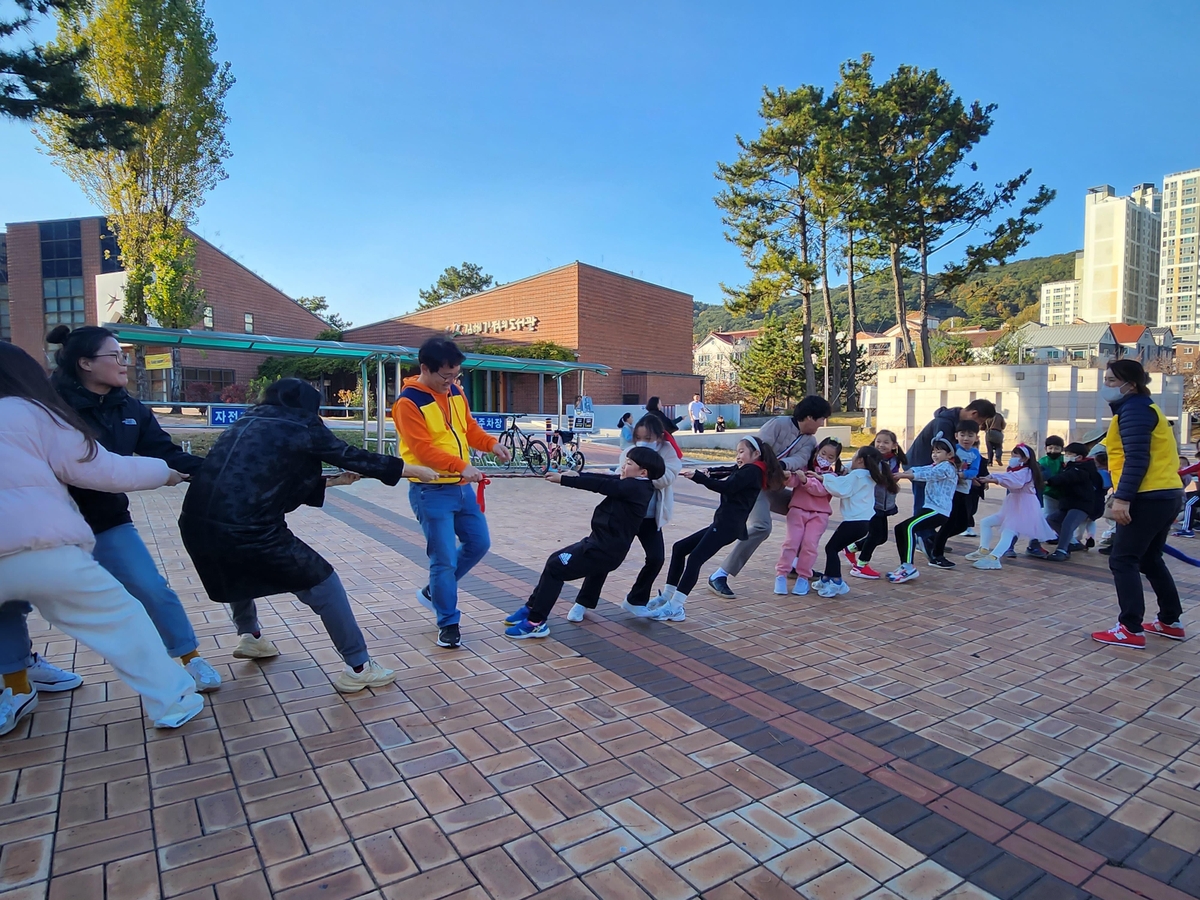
{"points": [[808, 512], [859, 555], [940, 480], [1080, 498], [1020, 513]]}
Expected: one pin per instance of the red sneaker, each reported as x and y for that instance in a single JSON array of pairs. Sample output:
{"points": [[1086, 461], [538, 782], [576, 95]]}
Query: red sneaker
{"points": [[851, 555], [1174, 632], [865, 571], [1122, 636]]}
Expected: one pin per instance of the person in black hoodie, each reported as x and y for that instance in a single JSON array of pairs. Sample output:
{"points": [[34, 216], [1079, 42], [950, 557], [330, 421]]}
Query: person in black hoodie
{"points": [[1080, 498], [615, 524], [757, 469], [91, 375], [234, 525]]}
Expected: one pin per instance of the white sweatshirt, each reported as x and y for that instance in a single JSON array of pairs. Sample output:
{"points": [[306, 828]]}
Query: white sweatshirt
{"points": [[856, 493]]}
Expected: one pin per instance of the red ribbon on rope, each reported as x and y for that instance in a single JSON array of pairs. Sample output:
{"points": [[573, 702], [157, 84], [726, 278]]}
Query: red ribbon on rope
{"points": [[479, 493]]}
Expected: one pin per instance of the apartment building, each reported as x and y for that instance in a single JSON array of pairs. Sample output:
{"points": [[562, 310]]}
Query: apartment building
{"points": [[1121, 249], [1177, 285]]}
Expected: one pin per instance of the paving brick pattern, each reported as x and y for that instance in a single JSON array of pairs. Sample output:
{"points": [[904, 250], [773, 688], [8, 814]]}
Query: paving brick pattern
{"points": [[956, 737]]}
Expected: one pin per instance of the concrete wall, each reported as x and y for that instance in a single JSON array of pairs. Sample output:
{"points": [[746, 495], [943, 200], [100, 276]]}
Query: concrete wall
{"points": [[1036, 401]]}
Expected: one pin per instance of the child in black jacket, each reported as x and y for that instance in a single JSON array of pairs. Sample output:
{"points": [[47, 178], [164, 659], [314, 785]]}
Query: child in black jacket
{"points": [[1080, 498], [757, 469], [615, 524]]}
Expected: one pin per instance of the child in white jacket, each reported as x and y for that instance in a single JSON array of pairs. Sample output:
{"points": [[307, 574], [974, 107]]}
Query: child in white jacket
{"points": [[45, 545]]}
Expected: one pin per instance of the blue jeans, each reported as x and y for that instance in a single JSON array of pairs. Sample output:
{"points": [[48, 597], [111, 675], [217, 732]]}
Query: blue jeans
{"points": [[456, 537], [329, 601], [121, 551]]}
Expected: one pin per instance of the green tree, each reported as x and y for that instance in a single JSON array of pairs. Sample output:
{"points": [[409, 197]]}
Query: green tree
{"points": [[772, 371], [37, 81], [951, 349], [319, 306], [911, 137], [150, 54], [455, 283]]}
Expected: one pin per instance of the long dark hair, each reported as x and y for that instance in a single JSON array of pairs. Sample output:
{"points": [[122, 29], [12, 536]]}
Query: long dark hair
{"points": [[899, 451], [1131, 372], [621, 421], [21, 376], [651, 423], [774, 471], [880, 471], [1031, 463], [82, 343]]}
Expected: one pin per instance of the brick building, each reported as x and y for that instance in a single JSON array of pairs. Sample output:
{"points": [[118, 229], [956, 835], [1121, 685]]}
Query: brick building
{"points": [[641, 331], [59, 272]]}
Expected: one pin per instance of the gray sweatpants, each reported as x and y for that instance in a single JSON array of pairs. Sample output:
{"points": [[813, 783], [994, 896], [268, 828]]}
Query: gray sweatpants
{"points": [[758, 529]]}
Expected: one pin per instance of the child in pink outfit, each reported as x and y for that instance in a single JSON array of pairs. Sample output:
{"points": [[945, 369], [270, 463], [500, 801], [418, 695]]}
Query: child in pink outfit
{"points": [[808, 513]]}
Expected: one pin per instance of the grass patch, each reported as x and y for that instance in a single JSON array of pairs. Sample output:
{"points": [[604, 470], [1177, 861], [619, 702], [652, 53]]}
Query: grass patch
{"points": [[203, 439]]}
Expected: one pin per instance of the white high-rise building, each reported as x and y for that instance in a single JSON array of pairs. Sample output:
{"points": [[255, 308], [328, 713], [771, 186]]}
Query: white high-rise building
{"points": [[1121, 240], [1177, 307], [1061, 300]]}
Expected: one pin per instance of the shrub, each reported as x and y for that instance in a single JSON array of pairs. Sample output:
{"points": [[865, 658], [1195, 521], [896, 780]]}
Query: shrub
{"points": [[198, 391], [235, 393]]}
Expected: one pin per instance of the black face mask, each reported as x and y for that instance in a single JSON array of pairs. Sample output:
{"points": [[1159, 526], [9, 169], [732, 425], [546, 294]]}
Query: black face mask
{"points": [[1053, 451]]}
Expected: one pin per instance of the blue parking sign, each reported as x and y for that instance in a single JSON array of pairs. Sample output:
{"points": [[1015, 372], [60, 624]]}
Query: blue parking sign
{"points": [[223, 416], [491, 422]]}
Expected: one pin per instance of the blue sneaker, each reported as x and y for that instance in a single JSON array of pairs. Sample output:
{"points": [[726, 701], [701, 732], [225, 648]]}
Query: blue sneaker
{"points": [[526, 629], [516, 618]]}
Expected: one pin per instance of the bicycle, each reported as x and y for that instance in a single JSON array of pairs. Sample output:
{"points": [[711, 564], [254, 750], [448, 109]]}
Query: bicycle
{"points": [[564, 453]]}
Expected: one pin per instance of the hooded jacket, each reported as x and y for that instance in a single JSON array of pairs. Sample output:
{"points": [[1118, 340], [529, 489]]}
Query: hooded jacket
{"points": [[617, 518], [1078, 486], [944, 421], [265, 465], [122, 425], [39, 457], [437, 430]]}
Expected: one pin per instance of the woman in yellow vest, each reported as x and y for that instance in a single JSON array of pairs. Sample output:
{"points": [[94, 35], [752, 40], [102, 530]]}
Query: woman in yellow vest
{"points": [[1148, 494]]}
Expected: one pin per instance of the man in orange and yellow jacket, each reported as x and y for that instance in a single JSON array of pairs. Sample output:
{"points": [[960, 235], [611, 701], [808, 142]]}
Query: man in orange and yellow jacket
{"points": [[436, 429]]}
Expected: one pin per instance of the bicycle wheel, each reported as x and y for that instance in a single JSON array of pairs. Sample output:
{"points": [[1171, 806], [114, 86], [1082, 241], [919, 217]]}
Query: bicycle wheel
{"points": [[537, 457], [577, 458]]}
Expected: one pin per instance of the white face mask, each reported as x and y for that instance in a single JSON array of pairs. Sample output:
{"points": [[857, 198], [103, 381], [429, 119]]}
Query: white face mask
{"points": [[652, 444], [1110, 394], [1069, 457], [1015, 462]]}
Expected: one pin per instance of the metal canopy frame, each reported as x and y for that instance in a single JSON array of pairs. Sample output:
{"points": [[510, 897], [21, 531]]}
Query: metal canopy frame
{"points": [[379, 354]]}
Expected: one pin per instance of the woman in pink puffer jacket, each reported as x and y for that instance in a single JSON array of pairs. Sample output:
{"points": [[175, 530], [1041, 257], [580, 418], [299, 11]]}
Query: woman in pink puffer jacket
{"points": [[45, 545]]}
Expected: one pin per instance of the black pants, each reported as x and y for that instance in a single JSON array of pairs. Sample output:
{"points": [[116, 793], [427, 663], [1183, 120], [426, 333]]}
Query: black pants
{"points": [[995, 452], [1137, 549], [877, 535], [581, 560], [924, 521], [960, 519], [689, 554], [639, 595], [697, 426], [973, 499], [843, 536]]}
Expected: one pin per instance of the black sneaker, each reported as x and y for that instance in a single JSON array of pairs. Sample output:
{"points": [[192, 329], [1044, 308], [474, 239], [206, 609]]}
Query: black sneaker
{"points": [[1058, 556], [1090, 543], [941, 562], [1076, 547], [720, 587], [1038, 553], [449, 636]]}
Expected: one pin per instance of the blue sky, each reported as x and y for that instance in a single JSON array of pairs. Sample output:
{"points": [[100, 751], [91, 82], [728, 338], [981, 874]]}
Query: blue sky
{"points": [[374, 147]]}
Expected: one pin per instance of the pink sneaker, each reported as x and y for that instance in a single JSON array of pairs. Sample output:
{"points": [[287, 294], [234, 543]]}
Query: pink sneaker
{"points": [[1174, 632], [1121, 636]]}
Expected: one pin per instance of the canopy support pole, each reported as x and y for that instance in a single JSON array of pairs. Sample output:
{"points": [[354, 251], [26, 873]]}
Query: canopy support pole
{"points": [[541, 393], [559, 412], [366, 395], [380, 402]]}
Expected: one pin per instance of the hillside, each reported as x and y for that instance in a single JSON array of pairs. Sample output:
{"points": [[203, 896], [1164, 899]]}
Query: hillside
{"points": [[990, 299]]}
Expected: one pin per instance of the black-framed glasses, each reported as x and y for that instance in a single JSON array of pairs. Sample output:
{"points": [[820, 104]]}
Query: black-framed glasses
{"points": [[123, 358]]}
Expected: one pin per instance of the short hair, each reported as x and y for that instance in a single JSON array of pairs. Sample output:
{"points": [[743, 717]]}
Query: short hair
{"points": [[1077, 448], [1101, 456], [651, 423], [438, 352], [968, 425], [1054, 441], [812, 407], [985, 408], [645, 458]]}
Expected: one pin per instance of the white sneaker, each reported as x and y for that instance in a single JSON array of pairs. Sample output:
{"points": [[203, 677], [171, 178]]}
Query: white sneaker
{"points": [[671, 611], [978, 554], [251, 647], [781, 585], [15, 707], [203, 674], [801, 587], [833, 588], [642, 612], [50, 678], [182, 710], [987, 562], [656, 601], [372, 675], [575, 614], [970, 532]]}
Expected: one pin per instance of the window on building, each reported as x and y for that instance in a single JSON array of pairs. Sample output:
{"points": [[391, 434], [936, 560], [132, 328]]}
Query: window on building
{"points": [[218, 378], [63, 302], [1189, 365], [5, 324], [249, 323], [62, 274], [208, 318], [1078, 354]]}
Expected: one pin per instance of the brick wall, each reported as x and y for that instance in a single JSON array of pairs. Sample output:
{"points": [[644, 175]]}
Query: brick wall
{"points": [[25, 288]]}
